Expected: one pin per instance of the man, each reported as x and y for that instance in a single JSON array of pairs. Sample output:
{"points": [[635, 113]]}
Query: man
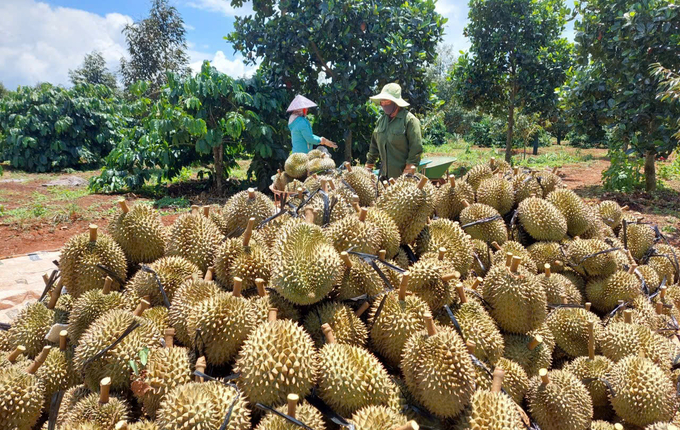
{"points": [[396, 140]]}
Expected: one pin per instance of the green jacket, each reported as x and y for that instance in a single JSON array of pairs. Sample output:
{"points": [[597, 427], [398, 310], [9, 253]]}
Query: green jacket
{"points": [[397, 142]]}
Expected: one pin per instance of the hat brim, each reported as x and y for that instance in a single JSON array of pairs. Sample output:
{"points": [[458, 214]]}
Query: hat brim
{"points": [[300, 102], [385, 96]]}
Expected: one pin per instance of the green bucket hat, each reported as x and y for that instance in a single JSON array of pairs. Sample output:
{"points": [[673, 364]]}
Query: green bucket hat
{"points": [[391, 92]]}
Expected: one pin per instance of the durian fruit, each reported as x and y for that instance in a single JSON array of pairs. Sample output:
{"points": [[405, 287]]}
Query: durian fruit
{"points": [[304, 412], [354, 233], [432, 279], [444, 233], [166, 368], [30, 327], [139, 425], [281, 180], [637, 238], [575, 278], [188, 296], [448, 200], [266, 300], [305, 264], [573, 208], [203, 406], [662, 426], [438, 370], [22, 394], [315, 153], [571, 326], [477, 174], [525, 185], [410, 204], [362, 182], [484, 223], [497, 193], [320, 164], [621, 285], [139, 232], [644, 393], [493, 409], [244, 258], [81, 257], [558, 400], [549, 182], [347, 328], [388, 232], [98, 408], [277, 359], [541, 219], [296, 165], [517, 299], [115, 363], [379, 418], [650, 276], [558, 287], [71, 397], [224, 321], [533, 351], [5, 343], [90, 306], [547, 253], [400, 317], [664, 260], [56, 373], [245, 205], [194, 237], [611, 213], [512, 248], [350, 377], [7, 359], [516, 381], [591, 257], [170, 271], [499, 166]]}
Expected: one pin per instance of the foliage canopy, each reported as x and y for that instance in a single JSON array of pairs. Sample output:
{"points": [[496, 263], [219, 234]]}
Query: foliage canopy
{"points": [[93, 71]]}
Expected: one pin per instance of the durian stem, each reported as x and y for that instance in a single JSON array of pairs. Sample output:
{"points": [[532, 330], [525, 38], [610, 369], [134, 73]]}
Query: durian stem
{"points": [[46, 278], [471, 347], [497, 383], [104, 387], [554, 170], [429, 323], [461, 293], [392, 181], [169, 334], [251, 193], [537, 340], [194, 209], [272, 314], [628, 316], [249, 231], [403, 284], [385, 184], [545, 379], [450, 276], [107, 285], [209, 273], [259, 283], [508, 259], [625, 208], [206, 211], [442, 253], [300, 193], [332, 185], [452, 181], [662, 292], [63, 340], [324, 185], [466, 203], [632, 268], [362, 214], [201, 364], [142, 306], [546, 266], [121, 425], [564, 300], [238, 286], [355, 204], [382, 254], [422, 182], [292, 404], [618, 426], [629, 254], [12, 356], [515, 170], [39, 360], [411, 425], [362, 309], [55, 294], [496, 246], [328, 333], [345, 258], [659, 308], [123, 206], [93, 232], [515, 263], [477, 282], [591, 340], [348, 166], [588, 305], [309, 215]]}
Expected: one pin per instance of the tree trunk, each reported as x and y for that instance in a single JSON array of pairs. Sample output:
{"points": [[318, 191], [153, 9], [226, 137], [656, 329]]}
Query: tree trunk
{"points": [[348, 146], [536, 144], [218, 154], [559, 138], [511, 124], [650, 171]]}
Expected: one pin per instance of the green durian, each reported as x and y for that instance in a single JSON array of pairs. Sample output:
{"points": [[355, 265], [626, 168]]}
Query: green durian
{"points": [[558, 400], [497, 193], [541, 219], [170, 271], [196, 238], [573, 208], [491, 227], [410, 203], [296, 165], [444, 233], [449, 198], [139, 232], [188, 296]]}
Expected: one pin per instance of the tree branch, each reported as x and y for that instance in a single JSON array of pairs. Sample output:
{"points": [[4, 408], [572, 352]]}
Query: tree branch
{"points": [[321, 60]]}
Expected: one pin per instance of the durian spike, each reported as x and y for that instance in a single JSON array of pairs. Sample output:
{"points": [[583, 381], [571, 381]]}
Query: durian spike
{"points": [[508, 259], [249, 231], [591, 340], [497, 383], [328, 333], [104, 387], [659, 308], [143, 305], [392, 181], [362, 214], [93, 232], [545, 379], [515, 263], [461, 292], [362, 309], [39, 360], [625, 208], [429, 323], [201, 364], [169, 334], [662, 292], [452, 181], [537, 340], [292, 404], [251, 193], [382, 254], [259, 283], [345, 258], [442, 252], [209, 273], [628, 316], [477, 282], [309, 215], [466, 203], [123, 206], [546, 266], [411, 425], [496, 246], [272, 314], [348, 166], [238, 286], [403, 284], [194, 209], [450, 276], [471, 347], [107, 285], [300, 193], [422, 182], [12, 356], [63, 340], [121, 425], [54, 295], [588, 305]]}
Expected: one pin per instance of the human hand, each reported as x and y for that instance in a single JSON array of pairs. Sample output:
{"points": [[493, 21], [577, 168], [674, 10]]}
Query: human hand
{"points": [[369, 167], [328, 143], [409, 169]]}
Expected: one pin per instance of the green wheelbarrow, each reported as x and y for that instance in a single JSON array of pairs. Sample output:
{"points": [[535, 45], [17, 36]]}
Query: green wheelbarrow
{"points": [[435, 168]]}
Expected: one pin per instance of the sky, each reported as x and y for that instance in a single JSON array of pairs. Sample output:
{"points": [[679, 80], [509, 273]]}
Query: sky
{"points": [[41, 40]]}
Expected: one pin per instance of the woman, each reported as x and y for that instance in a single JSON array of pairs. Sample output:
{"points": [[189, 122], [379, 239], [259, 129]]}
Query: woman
{"points": [[300, 128], [396, 139]]}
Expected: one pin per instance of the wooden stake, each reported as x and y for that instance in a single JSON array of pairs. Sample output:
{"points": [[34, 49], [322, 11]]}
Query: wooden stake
{"points": [[429, 323], [628, 316], [107, 285], [546, 266], [104, 387], [123, 206], [537, 340], [515, 263], [12, 356], [328, 333], [63, 340], [249, 231], [238, 286], [93, 232], [422, 182], [39, 360], [591, 340], [442, 252], [452, 181], [497, 383], [169, 334], [259, 283], [345, 258], [292, 404], [545, 379], [55, 294], [403, 284], [209, 273], [142, 306], [362, 309], [251, 193], [461, 292], [201, 364], [272, 314]]}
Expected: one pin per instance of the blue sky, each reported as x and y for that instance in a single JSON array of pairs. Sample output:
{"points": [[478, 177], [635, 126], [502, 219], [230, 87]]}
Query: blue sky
{"points": [[42, 40]]}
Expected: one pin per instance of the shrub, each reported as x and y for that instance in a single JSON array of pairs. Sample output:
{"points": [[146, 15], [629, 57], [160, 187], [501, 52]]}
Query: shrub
{"points": [[624, 173], [433, 129]]}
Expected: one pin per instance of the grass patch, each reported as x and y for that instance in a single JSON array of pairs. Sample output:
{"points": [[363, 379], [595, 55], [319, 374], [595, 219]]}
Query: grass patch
{"points": [[555, 159], [172, 202]]}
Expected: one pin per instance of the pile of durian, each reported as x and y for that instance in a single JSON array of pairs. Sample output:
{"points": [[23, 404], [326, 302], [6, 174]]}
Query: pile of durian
{"points": [[496, 301], [298, 166]]}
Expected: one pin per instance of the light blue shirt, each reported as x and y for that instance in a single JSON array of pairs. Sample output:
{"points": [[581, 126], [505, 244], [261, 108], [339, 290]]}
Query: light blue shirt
{"points": [[302, 136]]}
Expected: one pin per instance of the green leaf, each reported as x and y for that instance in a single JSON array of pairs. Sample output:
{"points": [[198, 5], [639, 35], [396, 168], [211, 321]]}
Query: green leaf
{"points": [[144, 355]]}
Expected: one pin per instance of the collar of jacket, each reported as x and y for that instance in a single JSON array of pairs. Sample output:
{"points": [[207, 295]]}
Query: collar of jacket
{"points": [[385, 120]]}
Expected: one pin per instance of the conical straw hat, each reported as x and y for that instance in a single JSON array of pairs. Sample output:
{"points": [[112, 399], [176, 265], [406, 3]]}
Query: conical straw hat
{"points": [[300, 102]]}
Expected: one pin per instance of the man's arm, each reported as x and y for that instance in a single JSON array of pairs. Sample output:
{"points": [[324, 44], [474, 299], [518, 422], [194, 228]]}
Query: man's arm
{"points": [[415, 141], [373, 153]]}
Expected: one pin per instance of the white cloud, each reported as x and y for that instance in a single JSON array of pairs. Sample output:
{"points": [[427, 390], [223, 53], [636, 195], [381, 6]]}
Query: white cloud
{"points": [[40, 43], [456, 12], [235, 68], [189, 27], [222, 6]]}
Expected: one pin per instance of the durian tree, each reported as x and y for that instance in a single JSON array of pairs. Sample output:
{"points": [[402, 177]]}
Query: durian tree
{"points": [[338, 53], [516, 59]]}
